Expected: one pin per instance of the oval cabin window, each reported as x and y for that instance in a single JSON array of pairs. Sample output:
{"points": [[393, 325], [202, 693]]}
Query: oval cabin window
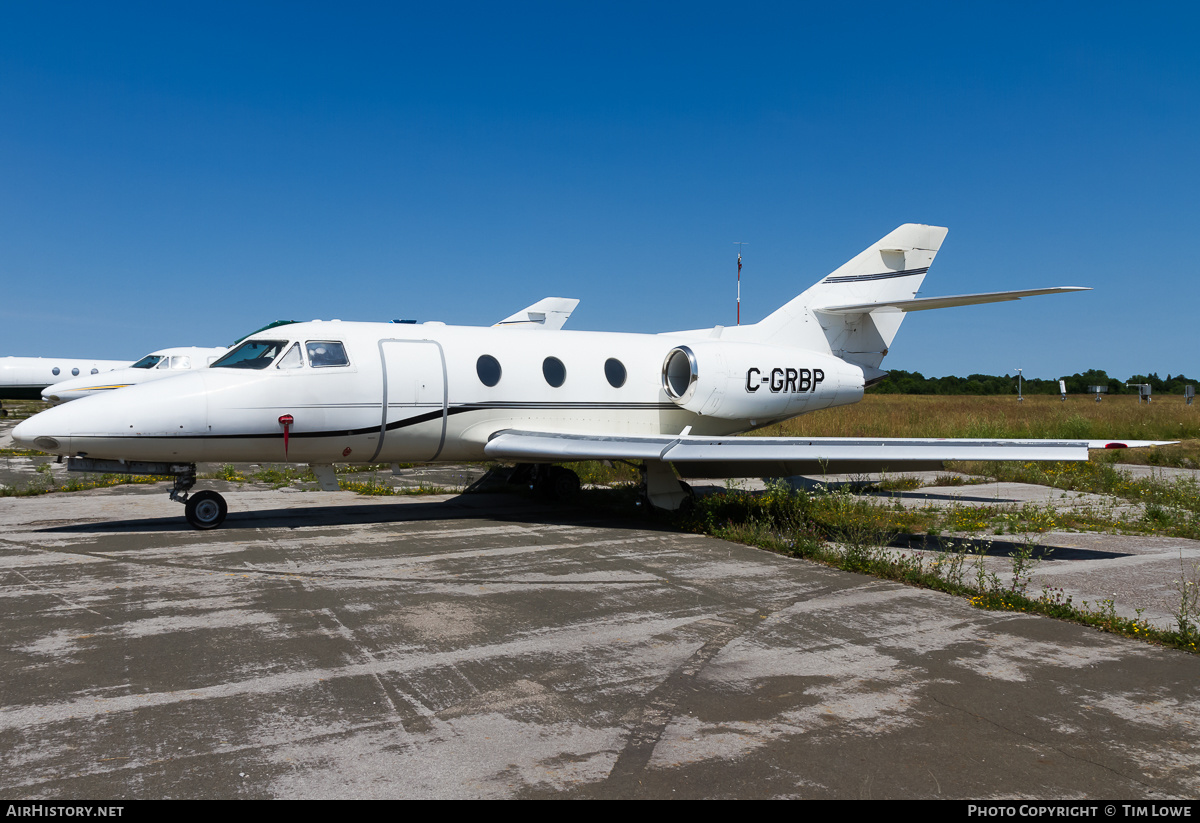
{"points": [[614, 370], [488, 369], [554, 371]]}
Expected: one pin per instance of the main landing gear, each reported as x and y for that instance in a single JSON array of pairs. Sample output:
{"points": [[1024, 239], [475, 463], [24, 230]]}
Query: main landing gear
{"points": [[662, 490], [559, 483], [553, 482], [203, 510]]}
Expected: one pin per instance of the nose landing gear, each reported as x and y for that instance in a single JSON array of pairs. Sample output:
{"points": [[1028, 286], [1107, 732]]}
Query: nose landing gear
{"points": [[203, 510]]}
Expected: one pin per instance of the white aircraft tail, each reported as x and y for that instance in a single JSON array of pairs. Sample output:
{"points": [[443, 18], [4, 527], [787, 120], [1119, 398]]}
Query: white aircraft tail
{"points": [[869, 285], [547, 313]]}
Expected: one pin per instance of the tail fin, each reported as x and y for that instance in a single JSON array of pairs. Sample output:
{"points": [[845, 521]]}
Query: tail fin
{"points": [[889, 270], [547, 313]]}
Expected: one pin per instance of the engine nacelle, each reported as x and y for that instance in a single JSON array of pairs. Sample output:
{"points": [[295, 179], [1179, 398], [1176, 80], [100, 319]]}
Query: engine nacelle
{"points": [[757, 382]]}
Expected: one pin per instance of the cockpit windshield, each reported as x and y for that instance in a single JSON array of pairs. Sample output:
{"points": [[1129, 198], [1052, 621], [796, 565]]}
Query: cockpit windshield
{"points": [[253, 354], [147, 362]]}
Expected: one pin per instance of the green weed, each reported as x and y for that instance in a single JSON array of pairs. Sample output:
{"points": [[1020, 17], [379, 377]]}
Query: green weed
{"points": [[277, 477]]}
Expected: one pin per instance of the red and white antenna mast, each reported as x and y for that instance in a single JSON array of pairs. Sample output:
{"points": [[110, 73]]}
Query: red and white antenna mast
{"points": [[739, 244]]}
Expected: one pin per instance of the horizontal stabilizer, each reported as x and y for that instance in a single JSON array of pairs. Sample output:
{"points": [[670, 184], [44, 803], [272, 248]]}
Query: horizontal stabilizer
{"points": [[925, 303]]}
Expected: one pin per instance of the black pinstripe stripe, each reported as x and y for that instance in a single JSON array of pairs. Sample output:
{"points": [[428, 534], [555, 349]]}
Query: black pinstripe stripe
{"points": [[887, 275]]}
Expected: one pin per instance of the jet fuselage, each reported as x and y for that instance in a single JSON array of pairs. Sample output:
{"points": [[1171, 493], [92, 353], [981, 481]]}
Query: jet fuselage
{"points": [[434, 392]]}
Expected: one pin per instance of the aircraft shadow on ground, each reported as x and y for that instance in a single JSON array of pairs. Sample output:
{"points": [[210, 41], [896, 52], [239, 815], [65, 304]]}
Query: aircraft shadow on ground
{"points": [[946, 497], [866, 487], [514, 508], [506, 508], [991, 547]]}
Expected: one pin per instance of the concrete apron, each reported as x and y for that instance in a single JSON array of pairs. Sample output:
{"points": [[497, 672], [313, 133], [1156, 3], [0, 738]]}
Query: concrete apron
{"points": [[330, 645]]}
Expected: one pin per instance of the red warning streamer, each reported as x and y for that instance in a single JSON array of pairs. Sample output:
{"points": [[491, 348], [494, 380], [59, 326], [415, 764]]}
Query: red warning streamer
{"points": [[286, 420]]}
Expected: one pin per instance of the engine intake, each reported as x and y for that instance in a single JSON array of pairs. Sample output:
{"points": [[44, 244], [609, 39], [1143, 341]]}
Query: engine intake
{"points": [[680, 374]]}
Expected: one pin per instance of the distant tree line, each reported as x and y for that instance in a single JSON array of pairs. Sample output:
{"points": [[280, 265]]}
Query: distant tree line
{"points": [[899, 381]]}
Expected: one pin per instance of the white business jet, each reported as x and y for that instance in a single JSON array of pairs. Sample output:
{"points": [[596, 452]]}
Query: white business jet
{"points": [[341, 392], [154, 366]]}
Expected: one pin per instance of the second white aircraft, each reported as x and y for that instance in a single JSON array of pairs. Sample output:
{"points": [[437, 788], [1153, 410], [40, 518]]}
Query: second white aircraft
{"points": [[154, 366]]}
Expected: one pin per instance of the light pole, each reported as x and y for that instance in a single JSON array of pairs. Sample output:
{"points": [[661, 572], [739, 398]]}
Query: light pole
{"points": [[1020, 397]]}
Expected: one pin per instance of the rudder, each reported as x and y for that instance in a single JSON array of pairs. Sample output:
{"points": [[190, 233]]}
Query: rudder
{"points": [[891, 269]]}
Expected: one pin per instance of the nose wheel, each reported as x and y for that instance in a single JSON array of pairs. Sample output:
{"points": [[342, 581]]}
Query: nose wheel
{"points": [[205, 509]]}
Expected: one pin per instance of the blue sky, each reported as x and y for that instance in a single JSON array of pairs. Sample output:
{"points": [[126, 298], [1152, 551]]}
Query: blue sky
{"points": [[181, 176]]}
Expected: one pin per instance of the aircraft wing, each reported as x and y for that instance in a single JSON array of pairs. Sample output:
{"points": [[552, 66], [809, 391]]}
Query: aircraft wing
{"points": [[736, 456], [547, 313], [925, 303]]}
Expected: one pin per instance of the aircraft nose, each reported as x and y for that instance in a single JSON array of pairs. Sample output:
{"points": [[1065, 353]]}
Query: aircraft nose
{"points": [[124, 425], [32, 434]]}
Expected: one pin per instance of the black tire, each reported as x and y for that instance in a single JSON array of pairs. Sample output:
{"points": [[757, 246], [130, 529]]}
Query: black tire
{"points": [[205, 510], [564, 484]]}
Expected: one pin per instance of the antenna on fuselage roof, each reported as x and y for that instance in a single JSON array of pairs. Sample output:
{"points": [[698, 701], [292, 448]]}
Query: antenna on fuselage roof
{"points": [[739, 244]]}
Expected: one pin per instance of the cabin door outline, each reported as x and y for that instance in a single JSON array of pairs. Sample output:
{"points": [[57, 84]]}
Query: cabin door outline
{"points": [[414, 388]]}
